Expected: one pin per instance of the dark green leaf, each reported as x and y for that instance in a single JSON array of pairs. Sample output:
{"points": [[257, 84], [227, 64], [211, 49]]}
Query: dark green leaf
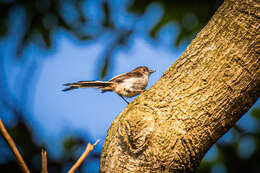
{"points": [[3, 29], [256, 113], [105, 68]]}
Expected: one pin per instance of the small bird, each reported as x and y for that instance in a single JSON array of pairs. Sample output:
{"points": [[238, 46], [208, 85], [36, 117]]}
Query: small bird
{"points": [[125, 85]]}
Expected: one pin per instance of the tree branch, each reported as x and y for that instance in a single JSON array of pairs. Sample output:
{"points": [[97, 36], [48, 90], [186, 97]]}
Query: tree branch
{"points": [[89, 148], [171, 126], [13, 147], [44, 161]]}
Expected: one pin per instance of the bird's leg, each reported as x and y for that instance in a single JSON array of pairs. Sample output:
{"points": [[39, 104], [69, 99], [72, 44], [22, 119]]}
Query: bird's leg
{"points": [[124, 99]]}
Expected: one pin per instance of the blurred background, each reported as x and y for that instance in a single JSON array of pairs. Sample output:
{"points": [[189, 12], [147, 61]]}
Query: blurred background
{"points": [[44, 44]]}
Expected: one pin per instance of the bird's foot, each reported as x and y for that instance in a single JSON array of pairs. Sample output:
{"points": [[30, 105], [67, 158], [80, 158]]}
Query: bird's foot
{"points": [[124, 99]]}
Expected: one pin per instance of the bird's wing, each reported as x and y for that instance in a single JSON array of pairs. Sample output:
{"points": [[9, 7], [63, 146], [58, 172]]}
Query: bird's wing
{"points": [[124, 76]]}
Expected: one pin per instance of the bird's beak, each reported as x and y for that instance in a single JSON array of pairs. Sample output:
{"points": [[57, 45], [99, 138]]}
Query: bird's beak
{"points": [[151, 71]]}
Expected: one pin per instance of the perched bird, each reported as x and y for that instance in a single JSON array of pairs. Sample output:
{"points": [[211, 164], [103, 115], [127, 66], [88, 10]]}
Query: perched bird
{"points": [[125, 85]]}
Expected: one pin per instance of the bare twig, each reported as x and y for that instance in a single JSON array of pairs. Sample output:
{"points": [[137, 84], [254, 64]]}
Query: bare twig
{"points": [[44, 161], [89, 148], [14, 149]]}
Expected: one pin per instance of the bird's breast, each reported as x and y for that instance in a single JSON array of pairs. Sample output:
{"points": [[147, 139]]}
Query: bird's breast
{"points": [[131, 87]]}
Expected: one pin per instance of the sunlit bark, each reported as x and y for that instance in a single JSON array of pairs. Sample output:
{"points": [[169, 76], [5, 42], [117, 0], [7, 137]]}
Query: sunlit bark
{"points": [[199, 98]]}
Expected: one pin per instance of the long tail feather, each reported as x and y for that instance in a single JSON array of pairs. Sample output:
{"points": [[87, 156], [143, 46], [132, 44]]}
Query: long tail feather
{"points": [[87, 84], [69, 88]]}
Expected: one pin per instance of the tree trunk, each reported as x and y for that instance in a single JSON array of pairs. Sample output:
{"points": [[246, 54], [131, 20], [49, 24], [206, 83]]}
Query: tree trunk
{"points": [[199, 98]]}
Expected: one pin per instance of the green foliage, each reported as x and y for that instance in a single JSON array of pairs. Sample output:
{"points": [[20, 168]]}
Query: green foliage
{"points": [[256, 113], [191, 15], [43, 18], [71, 143]]}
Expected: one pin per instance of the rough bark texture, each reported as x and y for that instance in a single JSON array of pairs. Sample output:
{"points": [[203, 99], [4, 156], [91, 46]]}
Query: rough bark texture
{"points": [[199, 98]]}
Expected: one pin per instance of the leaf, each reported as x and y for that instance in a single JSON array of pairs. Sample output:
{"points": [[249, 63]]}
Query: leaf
{"points": [[105, 67], [46, 35], [69, 143], [107, 20], [139, 6], [3, 28], [256, 113]]}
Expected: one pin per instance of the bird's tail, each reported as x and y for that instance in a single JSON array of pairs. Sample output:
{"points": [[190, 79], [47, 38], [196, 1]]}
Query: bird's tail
{"points": [[89, 84]]}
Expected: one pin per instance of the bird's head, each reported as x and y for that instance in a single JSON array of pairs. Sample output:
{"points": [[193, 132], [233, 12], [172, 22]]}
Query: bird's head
{"points": [[144, 70]]}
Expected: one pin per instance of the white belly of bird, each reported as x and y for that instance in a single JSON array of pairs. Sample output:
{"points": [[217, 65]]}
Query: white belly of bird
{"points": [[131, 87]]}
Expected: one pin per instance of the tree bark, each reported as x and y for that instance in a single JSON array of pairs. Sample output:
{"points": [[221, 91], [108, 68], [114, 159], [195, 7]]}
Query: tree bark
{"points": [[199, 98]]}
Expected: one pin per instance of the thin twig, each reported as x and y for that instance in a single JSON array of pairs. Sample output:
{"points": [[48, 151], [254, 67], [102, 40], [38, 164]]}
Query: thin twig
{"points": [[14, 149], [89, 148], [44, 161]]}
